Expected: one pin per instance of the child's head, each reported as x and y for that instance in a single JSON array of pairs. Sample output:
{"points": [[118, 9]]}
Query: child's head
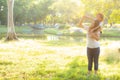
{"points": [[100, 17]]}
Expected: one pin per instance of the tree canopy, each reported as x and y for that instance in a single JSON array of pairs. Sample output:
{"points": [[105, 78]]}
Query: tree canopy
{"points": [[59, 11]]}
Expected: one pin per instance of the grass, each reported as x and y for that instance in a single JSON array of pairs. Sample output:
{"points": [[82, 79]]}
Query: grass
{"points": [[37, 59], [19, 29], [51, 31], [111, 32]]}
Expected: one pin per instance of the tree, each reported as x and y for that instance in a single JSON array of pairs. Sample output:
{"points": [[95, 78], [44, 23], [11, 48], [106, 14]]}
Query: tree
{"points": [[105, 6], [39, 11], [66, 11], [21, 11], [11, 35], [115, 16]]}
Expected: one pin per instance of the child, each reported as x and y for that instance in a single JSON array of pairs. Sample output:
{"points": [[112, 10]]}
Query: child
{"points": [[95, 27]]}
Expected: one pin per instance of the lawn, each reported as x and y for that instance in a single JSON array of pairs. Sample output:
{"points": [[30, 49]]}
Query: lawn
{"points": [[36, 59]]}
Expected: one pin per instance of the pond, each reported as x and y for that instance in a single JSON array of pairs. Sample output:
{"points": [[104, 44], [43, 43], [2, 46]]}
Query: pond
{"points": [[70, 38], [49, 37]]}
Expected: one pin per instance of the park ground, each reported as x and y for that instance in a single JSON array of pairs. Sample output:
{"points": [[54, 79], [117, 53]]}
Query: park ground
{"points": [[36, 59]]}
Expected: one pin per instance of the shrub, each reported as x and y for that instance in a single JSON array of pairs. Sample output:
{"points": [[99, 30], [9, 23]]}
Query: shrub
{"points": [[64, 26], [51, 31], [77, 33]]}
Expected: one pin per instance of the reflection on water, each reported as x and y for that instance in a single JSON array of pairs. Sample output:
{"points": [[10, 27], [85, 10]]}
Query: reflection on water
{"points": [[56, 38], [52, 37], [76, 38]]}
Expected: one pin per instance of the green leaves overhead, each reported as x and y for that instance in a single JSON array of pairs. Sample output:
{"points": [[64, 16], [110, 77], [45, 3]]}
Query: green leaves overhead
{"points": [[58, 11]]}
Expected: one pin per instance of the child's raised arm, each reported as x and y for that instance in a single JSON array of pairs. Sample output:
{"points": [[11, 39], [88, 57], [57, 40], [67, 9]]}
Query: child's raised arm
{"points": [[81, 21], [83, 18], [90, 18]]}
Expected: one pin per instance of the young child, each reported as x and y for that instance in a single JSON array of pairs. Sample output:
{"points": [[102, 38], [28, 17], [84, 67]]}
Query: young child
{"points": [[95, 26]]}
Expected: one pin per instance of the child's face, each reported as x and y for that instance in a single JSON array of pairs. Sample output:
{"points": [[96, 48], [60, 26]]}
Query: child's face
{"points": [[98, 17]]}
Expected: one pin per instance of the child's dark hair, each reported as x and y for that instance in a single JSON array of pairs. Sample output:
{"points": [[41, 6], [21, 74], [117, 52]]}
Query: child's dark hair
{"points": [[101, 15]]}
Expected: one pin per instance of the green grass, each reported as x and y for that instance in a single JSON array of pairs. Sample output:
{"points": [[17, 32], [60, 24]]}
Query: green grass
{"points": [[51, 31], [64, 43], [29, 59], [111, 32], [19, 29]]}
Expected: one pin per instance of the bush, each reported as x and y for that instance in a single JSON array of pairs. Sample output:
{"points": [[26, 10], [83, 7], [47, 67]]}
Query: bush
{"points": [[64, 26], [51, 31], [77, 33]]}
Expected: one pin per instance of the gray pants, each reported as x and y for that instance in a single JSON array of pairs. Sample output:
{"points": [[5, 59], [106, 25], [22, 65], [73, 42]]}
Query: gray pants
{"points": [[93, 56]]}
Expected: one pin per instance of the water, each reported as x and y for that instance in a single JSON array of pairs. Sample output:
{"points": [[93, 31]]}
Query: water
{"points": [[57, 38], [70, 38], [76, 38]]}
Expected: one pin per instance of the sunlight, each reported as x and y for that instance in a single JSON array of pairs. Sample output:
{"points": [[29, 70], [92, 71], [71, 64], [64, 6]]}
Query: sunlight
{"points": [[108, 70], [36, 2], [114, 44], [46, 40], [78, 2]]}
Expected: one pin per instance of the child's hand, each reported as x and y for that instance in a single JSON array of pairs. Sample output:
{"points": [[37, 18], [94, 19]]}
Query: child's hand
{"points": [[88, 17], [85, 16]]}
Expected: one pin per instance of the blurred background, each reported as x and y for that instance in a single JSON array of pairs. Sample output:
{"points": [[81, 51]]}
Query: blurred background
{"points": [[51, 46]]}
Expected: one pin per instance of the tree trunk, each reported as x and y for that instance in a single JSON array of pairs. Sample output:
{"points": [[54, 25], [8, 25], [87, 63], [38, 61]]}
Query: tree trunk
{"points": [[11, 35]]}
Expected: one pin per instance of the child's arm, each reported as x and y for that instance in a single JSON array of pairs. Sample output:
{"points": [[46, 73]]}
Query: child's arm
{"points": [[83, 18], [95, 28], [90, 18], [81, 21], [95, 36]]}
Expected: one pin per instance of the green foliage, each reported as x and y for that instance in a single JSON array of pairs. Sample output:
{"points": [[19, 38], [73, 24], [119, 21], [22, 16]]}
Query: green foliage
{"points": [[31, 11], [3, 12], [66, 11], [60, 11], [111, 32], [115, 16], [51, 31], [3, 29], [77, 33], [103, 6], [64, 26]]}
